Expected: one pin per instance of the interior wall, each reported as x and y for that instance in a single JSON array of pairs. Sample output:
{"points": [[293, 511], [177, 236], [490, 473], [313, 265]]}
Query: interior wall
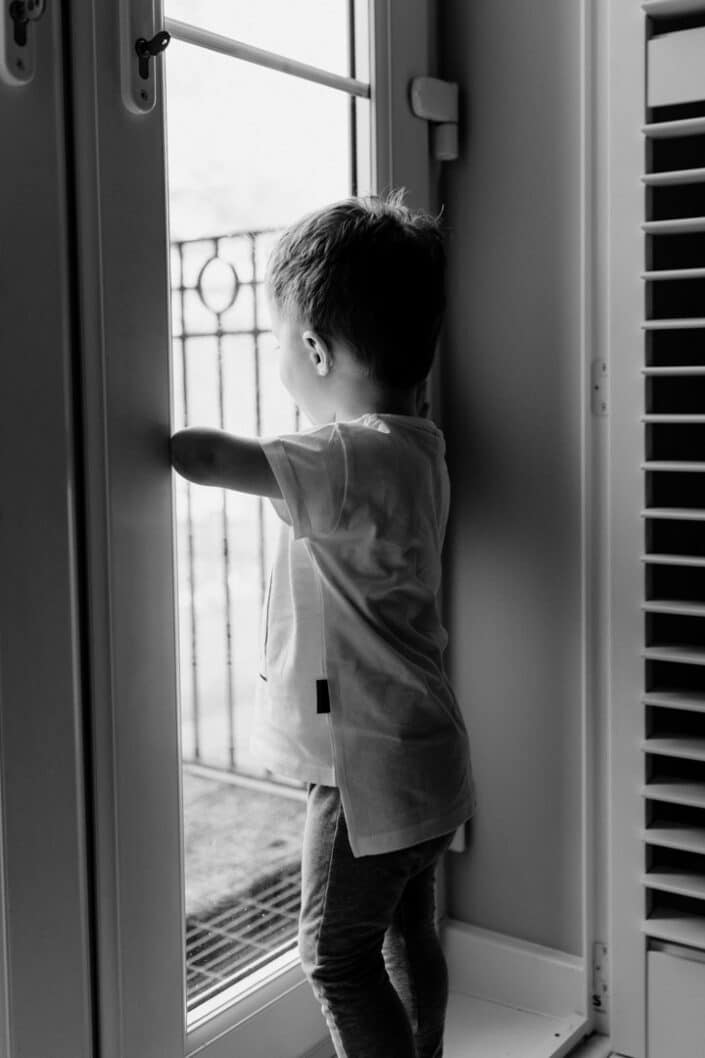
{"points": [[512, 413]]}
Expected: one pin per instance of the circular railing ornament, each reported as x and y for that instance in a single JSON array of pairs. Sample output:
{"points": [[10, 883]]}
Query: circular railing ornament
{"points": [[218, 281]]}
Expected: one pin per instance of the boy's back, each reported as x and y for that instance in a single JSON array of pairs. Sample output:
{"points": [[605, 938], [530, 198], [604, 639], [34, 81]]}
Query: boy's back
{"points": [[368, 498], [353, 692]]}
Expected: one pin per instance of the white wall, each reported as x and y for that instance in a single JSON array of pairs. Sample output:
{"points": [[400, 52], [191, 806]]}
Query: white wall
{"points": [[512, 413]]}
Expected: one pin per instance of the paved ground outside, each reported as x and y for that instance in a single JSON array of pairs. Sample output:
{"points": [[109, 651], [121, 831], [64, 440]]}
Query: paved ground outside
{"points": [[234, 835]]}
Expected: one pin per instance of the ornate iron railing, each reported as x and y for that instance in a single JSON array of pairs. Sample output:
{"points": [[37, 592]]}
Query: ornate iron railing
{"points": [[222, 374], [223, 377]]}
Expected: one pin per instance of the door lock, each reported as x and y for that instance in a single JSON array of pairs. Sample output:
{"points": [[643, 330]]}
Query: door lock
{"points": [[147, 48], [17, 46], [22, 12], [141, 40]]}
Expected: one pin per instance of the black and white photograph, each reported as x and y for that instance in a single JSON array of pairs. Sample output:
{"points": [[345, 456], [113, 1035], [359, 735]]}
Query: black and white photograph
{"points": [[352, 478]]}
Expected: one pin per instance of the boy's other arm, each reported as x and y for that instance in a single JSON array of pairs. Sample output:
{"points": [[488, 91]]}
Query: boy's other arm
{"points": [[214, 457]]}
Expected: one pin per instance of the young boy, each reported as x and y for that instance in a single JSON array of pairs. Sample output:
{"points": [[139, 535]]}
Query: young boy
{"points": [[353, 696]]}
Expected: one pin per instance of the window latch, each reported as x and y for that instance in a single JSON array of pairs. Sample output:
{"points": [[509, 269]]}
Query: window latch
{"points": [[436, 101], [140, 42], [145, 49]]}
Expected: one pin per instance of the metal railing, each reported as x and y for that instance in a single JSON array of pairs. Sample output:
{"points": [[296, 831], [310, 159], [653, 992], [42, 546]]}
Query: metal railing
{"points": [[221, 338], [222, 377]]}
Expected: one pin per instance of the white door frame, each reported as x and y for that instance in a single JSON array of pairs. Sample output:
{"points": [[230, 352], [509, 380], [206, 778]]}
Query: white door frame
{"points": [[130, 554]]}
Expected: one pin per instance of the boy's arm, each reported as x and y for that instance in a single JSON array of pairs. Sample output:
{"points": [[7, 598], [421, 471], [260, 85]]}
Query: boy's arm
{"points": [[214, 457]]}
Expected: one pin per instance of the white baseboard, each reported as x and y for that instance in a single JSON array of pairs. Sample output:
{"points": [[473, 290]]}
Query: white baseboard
{"points": [[517, 973]]}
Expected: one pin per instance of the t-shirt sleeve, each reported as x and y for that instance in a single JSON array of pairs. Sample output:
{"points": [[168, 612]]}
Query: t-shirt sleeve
{"points": [[311, 471]]}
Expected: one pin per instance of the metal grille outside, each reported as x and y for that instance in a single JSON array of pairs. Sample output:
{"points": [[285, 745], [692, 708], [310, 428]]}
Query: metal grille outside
{"points": [[242, 934]]}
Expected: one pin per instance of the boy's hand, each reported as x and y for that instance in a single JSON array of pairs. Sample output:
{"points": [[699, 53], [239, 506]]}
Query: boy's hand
{"points": [[214, 457]]}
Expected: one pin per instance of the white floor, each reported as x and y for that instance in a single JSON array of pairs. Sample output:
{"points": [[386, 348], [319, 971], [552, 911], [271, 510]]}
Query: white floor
{"points": [[476, 1028]]}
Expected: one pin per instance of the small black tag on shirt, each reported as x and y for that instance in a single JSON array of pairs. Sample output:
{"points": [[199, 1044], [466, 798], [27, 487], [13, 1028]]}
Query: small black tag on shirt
{"points": [[263, 677], [322, 698]]}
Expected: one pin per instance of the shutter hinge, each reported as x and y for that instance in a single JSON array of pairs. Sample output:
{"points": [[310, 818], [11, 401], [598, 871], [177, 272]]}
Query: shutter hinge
{"points": [[600, 989], [598, 387], [437, 102]]}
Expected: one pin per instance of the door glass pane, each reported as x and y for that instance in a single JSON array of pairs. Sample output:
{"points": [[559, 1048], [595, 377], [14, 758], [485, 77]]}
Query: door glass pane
{"points": [[312, 31], [249, 150]]}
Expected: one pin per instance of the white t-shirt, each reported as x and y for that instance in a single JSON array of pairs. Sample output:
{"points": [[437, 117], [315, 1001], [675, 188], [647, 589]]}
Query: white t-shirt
{"points": [[291, 731], [353, 690]]}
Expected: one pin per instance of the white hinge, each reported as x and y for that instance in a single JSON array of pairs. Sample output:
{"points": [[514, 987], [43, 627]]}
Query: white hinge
{"points": [[437, 102], [598, 387], [459, 842]]}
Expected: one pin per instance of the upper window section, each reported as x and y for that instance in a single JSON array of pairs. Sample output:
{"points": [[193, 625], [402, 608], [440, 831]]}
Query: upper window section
{"points": [[312, 31]]}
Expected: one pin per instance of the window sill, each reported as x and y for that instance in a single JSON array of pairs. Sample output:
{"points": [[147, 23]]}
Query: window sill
{"points": [[271, 1005]]}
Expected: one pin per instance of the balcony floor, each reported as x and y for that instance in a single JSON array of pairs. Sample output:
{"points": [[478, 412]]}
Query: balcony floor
{"points": [[242, 847]]}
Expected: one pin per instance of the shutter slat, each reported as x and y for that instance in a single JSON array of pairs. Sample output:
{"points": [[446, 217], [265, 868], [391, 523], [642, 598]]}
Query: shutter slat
{"points": [[687, 654], [673, 418], [674, 226], [683, 748], [661, 130], [674, 560], [675, 926], [676, 700], [674, 325], [674, 273], [672, 881], [682, 793], [671, 8], [681, 370], [687, 839], [678, 606], [676, 176], [664, 464], [675, 513]]}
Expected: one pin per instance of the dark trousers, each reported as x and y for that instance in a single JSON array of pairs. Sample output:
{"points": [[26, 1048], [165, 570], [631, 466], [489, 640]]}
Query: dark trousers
{"points": [[368, 940]]}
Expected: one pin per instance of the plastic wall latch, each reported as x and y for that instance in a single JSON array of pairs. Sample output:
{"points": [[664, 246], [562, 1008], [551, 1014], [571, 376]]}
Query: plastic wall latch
{"points": [[458, 844], [436, 101]]}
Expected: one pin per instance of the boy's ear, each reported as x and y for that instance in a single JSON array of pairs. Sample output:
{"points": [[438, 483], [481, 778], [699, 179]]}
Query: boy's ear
{"points": [[319, 352]]}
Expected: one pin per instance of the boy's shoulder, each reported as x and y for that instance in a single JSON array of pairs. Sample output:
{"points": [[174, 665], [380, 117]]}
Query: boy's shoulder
{"points": [[406, 428], [400, 438]]}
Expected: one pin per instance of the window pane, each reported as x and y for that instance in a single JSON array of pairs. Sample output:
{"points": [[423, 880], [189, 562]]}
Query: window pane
{"points": [[249, 147], [312, 31], [249, 150]]}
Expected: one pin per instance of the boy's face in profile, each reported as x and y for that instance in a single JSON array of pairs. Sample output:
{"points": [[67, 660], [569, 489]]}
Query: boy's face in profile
{"points": [[304, 366]]}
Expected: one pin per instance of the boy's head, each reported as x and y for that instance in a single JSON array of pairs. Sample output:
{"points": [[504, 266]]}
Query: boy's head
{"points": [[365, 275]]}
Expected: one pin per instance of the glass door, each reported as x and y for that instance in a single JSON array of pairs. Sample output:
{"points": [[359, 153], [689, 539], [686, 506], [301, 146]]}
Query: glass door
{"points": [[278, 144], [261, 111]]}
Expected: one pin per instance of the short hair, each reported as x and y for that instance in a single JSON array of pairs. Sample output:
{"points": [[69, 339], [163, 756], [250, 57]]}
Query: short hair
{"points": [[370, 272]]}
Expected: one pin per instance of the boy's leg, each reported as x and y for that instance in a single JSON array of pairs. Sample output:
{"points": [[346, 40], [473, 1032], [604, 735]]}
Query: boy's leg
{"points": [[347, 905], [414, 957]]}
